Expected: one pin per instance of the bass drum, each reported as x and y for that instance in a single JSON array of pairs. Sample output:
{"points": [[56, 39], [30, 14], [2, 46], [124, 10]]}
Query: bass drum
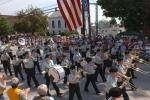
{"points": [[57, 72]]}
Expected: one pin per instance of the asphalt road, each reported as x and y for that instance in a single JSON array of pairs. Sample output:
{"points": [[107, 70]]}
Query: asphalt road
{"points": [[142, 93]]}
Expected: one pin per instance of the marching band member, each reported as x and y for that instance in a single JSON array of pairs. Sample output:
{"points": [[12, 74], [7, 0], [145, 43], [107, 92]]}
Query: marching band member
{"points": [[66, 64], [77, 58], [112, 81], [5, 59], [17, 66], [36, 55], [74, 87], [107, 61], [29, 69], [48, 63], [88, 53], [90, 77], [99, 63], [83, 50], [130, 72]]}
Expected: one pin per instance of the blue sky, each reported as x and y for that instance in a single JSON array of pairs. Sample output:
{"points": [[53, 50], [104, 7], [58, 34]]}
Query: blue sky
{"points": [[11, 7]]}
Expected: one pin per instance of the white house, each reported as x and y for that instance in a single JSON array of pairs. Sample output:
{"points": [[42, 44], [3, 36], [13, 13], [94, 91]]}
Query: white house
{"points": [[111, 30], [56, 23]]}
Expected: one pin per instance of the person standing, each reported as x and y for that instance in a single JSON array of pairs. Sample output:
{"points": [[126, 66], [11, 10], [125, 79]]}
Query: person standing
{"points": [[5, 59], [2, 86], [36, 56], [17, 66], [15, 93], [90, 77], [99, 64], [42, 93], [74, 87], [48, 63], [29, 69]]}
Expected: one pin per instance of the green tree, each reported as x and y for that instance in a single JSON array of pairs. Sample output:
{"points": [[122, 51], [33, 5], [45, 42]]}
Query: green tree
{"points": [[5, 26], [31, 20], [134, 14]]}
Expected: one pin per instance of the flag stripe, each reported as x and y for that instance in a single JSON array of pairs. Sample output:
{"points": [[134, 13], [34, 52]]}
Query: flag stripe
{"points": [[78, 9], [64, 16], [77, 15], [71, 12]]}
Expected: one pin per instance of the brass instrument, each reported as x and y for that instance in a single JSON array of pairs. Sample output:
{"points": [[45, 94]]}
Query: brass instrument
{"points": [[137, 69], [126, 80]]}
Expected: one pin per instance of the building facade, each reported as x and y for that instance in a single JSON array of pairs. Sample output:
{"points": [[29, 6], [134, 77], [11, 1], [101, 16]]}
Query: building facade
{"points": [[56, 23]]}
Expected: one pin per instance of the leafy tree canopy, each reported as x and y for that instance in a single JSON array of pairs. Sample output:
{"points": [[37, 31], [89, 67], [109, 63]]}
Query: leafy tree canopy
{"points": [[5, 26], [134, 14], [31, 20]]}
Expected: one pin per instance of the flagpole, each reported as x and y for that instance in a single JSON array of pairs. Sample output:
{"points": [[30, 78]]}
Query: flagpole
{"points": [[89, 19], [83, 20]]}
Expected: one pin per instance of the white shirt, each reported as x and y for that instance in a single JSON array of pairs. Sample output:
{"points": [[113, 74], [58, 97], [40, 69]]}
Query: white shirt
{"points": [[28, 63], [89, 68], [111, 82], [98, 59], [77, 57]]}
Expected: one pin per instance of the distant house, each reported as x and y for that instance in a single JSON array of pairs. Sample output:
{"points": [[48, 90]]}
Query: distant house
{"points": [[10, 18], [56, 23], [111, 30]]}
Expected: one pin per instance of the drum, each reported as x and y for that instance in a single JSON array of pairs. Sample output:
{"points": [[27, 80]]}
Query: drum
{"points": [[57, 72]]}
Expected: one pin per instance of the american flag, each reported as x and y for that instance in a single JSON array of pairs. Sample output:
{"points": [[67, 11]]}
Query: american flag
{"points": [[72, 13]]}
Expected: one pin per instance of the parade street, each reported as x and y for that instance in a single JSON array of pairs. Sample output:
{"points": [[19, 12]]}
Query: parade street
{"points": [[142, 93]]}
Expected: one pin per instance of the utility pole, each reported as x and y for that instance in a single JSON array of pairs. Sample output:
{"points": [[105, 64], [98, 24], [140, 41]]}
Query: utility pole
{"points": [[96, 21]]}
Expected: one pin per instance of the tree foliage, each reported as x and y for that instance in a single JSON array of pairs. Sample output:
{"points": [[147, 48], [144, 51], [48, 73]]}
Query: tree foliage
{"points": [[134, 14], [69, 33], [31, 20], [5, 26]]}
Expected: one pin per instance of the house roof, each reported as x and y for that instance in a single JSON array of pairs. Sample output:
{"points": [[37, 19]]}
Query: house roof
{"points": [[55, 14]]}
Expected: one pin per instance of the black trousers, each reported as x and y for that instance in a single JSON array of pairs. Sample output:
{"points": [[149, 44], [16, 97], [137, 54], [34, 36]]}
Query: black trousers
{"points": [[67, 72], [31, 75], [84, 54], [18, 70], [107, 64], [48, 81], [129, 74], [36, 64], [91, 78], [124, 93], [6, 65], [99, 70], [74, 88]]}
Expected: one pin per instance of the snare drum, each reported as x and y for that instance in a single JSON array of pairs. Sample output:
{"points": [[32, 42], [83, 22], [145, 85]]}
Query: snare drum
{"points": [[57, 72]]}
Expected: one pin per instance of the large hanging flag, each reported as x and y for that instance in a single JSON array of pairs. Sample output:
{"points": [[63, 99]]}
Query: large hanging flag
{"points": [[71, 11]]}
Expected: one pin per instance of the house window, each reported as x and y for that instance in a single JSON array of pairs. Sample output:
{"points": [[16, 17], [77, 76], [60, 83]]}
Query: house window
{"points": [[53, 32], [65, 25], [53, 24], [59, 24], [59, 32]]}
